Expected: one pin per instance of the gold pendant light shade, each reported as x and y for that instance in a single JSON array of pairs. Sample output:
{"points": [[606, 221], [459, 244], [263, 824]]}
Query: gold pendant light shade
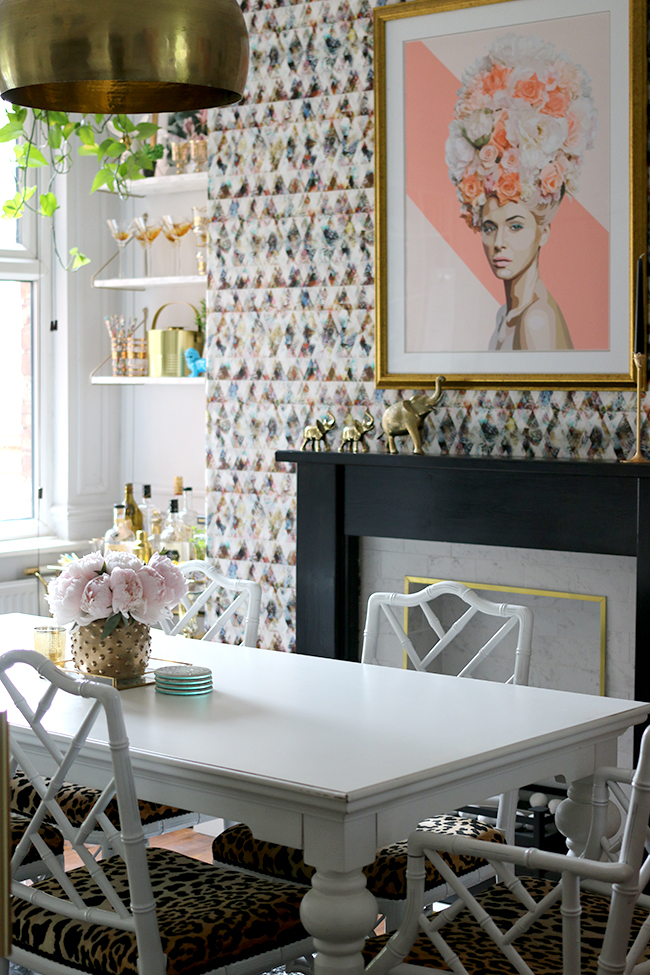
{"points": [[128, 56]]}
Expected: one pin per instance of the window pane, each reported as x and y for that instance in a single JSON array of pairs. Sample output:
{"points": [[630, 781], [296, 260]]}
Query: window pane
{"points": [[16, 452], [9, 233]]}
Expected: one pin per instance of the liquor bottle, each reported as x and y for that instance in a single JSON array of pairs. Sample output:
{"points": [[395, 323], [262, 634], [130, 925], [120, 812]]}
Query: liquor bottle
{"points": [[188, 514], [132, 513], [146, 508], [142, 548], [176, 537], [178, 486], [156, 529], [119, 538]]}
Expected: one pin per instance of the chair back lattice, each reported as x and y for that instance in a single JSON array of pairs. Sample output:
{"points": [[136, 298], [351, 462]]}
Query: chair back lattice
{"points": [[386, 603], [621, 877], [246, 603], [47, 768]]}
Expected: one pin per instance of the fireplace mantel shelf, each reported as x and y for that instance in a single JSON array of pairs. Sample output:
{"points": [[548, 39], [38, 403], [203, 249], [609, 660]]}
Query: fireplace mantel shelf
{"points": [[561, 505], [586, 468]]}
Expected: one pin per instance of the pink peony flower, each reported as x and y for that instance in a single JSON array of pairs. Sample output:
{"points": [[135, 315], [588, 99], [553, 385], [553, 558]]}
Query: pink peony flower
{"points": [[64, 598], [153, 606], [127, 590], [125, 560], [85, 568], [175, 583], [97, 599]]}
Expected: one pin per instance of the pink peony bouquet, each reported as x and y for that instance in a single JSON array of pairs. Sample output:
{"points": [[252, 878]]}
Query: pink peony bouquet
{"points": [[116, 587]]}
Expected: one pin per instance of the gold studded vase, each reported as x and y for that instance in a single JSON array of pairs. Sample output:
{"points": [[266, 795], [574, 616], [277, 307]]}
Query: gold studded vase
{"points": [[124, 653]]}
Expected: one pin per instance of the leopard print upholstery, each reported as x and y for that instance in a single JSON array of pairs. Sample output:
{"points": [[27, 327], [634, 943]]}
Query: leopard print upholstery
{"points": [[208, 917], [386, 877], [541, 947], [49, 834], [76, 801]]}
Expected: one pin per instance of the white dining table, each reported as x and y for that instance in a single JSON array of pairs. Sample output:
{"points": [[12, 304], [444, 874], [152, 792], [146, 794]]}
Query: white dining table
{"points": [[333, 757]]}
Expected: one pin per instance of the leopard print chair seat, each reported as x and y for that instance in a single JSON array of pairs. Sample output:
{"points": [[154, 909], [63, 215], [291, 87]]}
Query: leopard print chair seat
{"points": [[385, 878], [32, 865], [208, 918], [76, 801], [540, 947]]}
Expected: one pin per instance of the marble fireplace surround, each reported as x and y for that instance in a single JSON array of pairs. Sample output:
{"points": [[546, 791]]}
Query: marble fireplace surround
{"points": [[582, 507]]}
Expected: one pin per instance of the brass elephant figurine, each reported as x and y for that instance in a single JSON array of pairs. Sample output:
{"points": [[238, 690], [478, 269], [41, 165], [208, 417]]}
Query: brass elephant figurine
{"points": [[352, 435], [315, 435], [407, 417]]}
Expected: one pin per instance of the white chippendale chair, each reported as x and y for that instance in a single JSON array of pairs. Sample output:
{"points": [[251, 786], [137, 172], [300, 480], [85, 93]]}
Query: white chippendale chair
{"points": [[386, 877], [157, 818], [594, 919], [246, 603], [141, 911]]}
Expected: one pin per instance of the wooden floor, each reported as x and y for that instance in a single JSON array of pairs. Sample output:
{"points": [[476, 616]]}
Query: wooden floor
{"points": [[187, 841]]}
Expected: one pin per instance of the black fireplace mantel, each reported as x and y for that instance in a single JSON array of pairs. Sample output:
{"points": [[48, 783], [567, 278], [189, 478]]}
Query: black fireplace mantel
{"points": [[563, 505]]}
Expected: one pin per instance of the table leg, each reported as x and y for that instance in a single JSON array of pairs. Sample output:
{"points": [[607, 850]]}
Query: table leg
{"points": [[339, 912], [573, 815]]}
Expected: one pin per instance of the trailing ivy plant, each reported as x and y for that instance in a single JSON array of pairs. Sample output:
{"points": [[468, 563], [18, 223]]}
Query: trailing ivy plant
{"points": [[122, 148]]}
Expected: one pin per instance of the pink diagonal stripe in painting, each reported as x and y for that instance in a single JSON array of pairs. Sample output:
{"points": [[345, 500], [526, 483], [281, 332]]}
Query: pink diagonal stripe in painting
{"points": [[574, 262]]}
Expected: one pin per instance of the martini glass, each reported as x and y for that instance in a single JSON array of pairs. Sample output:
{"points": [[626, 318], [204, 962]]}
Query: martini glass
{"points": [[121, 232], [146, 233], [174, 231]]}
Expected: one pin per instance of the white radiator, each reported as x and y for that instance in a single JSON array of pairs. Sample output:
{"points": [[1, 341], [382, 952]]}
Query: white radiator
{"points": [[23, 596]]}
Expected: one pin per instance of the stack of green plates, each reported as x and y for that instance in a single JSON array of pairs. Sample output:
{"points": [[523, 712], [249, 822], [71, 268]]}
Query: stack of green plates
{"points": [[183, 679]]}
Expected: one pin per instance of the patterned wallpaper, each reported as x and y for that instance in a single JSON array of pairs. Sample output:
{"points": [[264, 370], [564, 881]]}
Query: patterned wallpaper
{"points": [[291, 300]]}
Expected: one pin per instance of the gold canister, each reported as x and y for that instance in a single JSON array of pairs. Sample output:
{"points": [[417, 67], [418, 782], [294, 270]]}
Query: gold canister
{"points": [[167, 347]]}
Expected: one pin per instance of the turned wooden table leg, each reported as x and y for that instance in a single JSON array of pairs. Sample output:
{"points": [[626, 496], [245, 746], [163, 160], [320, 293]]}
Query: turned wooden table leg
{"points": [[339, 912]]}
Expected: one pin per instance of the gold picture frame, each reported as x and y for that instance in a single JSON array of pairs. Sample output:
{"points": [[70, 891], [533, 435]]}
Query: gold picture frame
{"points": [[438, 298], [5, 837], [600, 601]]}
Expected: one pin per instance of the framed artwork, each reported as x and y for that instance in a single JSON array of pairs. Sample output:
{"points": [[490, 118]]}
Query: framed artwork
{"points": [[511, 192]]}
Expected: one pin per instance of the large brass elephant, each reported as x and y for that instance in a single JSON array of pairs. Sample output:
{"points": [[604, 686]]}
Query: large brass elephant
{"points": [[407, 417]]}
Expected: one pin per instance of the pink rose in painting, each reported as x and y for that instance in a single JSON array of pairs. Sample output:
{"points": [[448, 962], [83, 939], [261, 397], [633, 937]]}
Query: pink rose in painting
{"points": [[471, 187], [508, 187], [97, 599], [510, 161], [64, 598], [496, 79], [531, 90], [557, 102], [174, 579], [127, 590], [488, 155], [499, 137], [550, 181]]}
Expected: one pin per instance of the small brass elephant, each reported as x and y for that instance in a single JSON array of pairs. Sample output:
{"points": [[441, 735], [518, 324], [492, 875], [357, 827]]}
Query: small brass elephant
{"points": [[315, 435], [352, 436], [407, 417]]}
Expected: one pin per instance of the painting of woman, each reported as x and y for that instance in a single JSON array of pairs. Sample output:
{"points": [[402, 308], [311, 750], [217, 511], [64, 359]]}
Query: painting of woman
{"points": [[523, 120]]}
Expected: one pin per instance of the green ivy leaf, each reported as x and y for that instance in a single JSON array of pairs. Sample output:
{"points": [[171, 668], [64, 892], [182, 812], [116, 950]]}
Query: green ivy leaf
{"points": [[28, 155], [49, 204], [10, 131], [111, 147], [146, 129], [86, 150], [13, 208], [54, 136], [101, 178], [124, 123], [113, 621], [18, 114], [86, 135], [99, 119], [78, 260], [68, 129], [58, 118]]}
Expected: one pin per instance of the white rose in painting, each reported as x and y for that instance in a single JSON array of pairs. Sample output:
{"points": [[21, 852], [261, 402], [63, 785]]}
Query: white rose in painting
{"points": [[459, 153]]}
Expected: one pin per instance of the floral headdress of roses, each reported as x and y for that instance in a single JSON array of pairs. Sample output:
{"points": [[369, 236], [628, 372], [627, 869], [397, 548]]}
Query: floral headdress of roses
{"points": [[522, 124]]}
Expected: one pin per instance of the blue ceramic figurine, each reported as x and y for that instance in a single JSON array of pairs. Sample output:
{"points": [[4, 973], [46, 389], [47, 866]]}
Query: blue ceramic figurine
{"points": [[195, 364]]}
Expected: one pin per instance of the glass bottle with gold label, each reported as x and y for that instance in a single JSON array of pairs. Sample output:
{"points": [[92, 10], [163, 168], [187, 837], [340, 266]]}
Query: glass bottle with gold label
{"points": [[132, 512], [176, 537], [119, 538]]}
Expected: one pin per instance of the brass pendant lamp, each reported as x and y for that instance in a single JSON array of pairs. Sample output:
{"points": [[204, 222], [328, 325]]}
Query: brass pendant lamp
{"points": [[128, 56]]}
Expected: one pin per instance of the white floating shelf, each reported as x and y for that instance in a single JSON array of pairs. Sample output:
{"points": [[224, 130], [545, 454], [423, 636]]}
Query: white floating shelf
{"points": [[147, 380], [141, 284], [175, 183]]}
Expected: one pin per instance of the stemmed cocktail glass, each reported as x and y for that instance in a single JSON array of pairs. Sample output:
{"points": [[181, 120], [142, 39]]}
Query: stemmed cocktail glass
{"points": [[174, 231], [146, 233], [122, 232]]}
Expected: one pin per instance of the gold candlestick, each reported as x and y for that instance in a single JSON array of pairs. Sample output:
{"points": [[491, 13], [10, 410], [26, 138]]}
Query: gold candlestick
{"points": [[640, 360]]}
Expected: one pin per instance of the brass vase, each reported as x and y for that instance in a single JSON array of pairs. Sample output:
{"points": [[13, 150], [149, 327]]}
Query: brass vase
{"points": [[124, 653]]}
